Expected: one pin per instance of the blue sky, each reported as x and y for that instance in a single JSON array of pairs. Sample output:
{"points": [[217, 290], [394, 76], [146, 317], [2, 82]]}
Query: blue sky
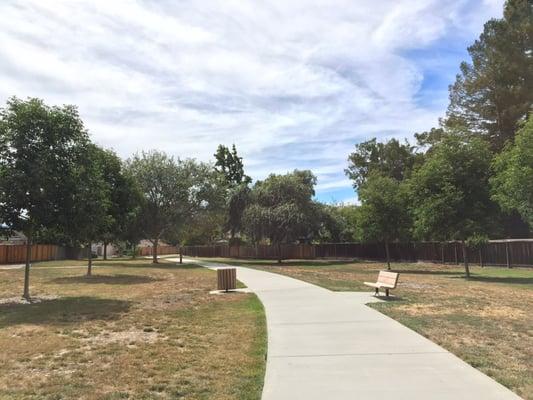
{"points": [[295, 84]]}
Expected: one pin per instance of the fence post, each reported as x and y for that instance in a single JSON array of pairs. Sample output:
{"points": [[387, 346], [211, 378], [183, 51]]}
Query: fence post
{"points": [[442, 253], [507, 254], [456, 257]]}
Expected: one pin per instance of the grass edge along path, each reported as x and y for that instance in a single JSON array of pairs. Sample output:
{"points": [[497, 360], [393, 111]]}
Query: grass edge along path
{"points": [[485, 321], [132, 331]]}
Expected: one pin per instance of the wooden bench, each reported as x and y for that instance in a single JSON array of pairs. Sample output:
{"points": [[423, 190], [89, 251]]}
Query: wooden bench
{"points": [[386, 280]]}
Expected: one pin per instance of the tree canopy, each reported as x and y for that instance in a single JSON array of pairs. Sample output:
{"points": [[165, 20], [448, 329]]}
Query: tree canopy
{"points": [[40, 150], [494, 92], [392, 158], [512, 183]]}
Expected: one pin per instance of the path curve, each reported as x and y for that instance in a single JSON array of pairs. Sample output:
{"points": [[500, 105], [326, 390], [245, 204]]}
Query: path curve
{"points": [[329, 345]]}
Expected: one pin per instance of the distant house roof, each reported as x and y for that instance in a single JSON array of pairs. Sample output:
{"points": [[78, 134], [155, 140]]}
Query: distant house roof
{"points": [[148, 243], [14, 238]]}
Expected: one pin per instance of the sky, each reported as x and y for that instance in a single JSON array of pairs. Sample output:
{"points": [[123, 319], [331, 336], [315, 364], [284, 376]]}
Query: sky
{"points": [[294, 84]]}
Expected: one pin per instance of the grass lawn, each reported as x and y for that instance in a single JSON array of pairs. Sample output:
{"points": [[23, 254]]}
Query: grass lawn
{"points": [[132, 331], [487, 321]]}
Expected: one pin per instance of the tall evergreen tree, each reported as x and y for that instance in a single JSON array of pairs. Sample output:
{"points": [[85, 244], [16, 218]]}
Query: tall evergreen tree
{"points": [[494, 92]]}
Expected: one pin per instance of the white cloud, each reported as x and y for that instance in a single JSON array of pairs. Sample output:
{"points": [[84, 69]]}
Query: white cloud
{"points": [[295, 84]]}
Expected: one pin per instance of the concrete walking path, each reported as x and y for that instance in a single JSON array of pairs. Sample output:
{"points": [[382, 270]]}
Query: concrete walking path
{"points": [[329, 345]]}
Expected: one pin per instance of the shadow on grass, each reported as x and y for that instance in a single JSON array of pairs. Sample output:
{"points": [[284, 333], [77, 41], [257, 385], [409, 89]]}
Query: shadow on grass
{"points": [[147, 265], [61, 311], [287, 263], [121, 279], [503, 279], [426, 272], [390, 299]]}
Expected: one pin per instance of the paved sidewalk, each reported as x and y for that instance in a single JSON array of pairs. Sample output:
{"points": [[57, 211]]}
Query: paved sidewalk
{"points": [[328, 345]]}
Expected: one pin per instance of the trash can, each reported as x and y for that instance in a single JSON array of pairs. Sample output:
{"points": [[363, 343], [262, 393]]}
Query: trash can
{"points": [[227, 278]]}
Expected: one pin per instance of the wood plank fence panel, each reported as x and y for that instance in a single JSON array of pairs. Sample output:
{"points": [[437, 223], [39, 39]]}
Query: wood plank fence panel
{"points": [[519, 252], [16, 254]]}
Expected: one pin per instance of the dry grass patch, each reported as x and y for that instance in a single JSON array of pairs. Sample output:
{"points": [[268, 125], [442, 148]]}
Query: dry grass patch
{"points": [[133, 330], [486, 321]]}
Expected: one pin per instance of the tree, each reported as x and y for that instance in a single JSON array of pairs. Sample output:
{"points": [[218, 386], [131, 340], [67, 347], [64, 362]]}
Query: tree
{"points": [[392, 159], [123, 198], [450, 192], [174, 193], [383, 215], [282, 209], [338, 223], [39, 149], [512, 183], [494, 92], [87, 217], [231, 167]]}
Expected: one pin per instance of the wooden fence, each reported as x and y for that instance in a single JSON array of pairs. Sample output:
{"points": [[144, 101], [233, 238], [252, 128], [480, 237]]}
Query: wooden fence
{"points": [[16, 254], [513, 252], [161, 250]]}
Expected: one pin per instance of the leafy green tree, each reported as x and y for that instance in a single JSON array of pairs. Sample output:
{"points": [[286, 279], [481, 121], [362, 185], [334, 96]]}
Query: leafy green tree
{"points": [[40, 148], [230, 166], [450, 192], [174, 193], [282, 209], [512, 183], [392, 159], [87, 217], [124, 198], [494, 92], [383, 215], [338, 223]]}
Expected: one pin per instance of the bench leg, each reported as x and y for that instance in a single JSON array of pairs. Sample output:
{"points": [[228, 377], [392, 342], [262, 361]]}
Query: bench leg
{"points": [[387, 292], [376, 292]]}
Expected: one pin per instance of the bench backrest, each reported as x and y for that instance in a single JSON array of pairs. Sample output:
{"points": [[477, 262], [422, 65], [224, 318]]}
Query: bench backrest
{"points": [[388, 278]]}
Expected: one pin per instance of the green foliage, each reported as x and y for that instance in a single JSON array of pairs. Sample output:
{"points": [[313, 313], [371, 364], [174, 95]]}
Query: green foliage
{"points": [[230, 165], [124, 198], [449, 192], [174, 193], [512, 183], [87, 217], [337, 223], [392, 159], [477, 241], [40, 147], [281, 208], [383, 215], [494, 92]]}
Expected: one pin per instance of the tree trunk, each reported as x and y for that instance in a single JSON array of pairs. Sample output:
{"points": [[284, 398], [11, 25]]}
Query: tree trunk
{"points": [[154, 251], [465, 259], [134, 251], [279, 253], [181, 255], [105, 250], [481, 258], [26, 294], [507, 255], [442, 253], [90, 260], [388, 254]]}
